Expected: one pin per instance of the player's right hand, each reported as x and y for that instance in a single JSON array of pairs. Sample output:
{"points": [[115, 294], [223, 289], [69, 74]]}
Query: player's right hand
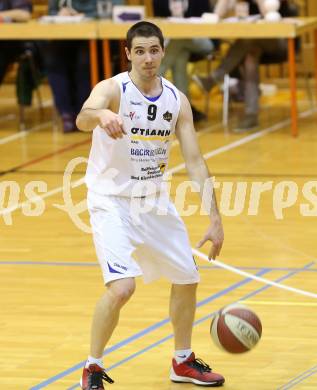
{"points": [[112, 124]]}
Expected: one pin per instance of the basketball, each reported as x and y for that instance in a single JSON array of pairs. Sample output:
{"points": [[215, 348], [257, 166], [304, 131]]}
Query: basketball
{"points": [[236, 329]]}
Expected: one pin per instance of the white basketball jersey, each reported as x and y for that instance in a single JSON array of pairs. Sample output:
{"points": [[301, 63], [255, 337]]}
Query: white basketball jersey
{"points": [[134, 165]]}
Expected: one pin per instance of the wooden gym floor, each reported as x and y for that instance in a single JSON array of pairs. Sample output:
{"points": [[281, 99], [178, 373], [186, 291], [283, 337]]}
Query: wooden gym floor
{"points": [[49, 279]]}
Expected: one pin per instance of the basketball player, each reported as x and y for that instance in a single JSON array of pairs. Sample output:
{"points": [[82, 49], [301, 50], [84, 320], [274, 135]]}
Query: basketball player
{"points": [[133, 116]]}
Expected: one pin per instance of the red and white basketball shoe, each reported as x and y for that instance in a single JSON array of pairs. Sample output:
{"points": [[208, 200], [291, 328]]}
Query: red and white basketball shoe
{"points": [[93, 378], [195, 371]]}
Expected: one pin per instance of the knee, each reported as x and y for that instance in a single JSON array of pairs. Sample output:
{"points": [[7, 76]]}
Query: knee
{"points": [[184, 290], [121, 291], [122, 295]]}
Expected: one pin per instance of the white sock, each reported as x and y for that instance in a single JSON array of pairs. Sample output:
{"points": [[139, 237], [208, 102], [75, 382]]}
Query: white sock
{"points": [[181, 355], [92, 360]]}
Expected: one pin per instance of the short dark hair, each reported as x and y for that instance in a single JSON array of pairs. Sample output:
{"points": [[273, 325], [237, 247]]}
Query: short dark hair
{"points": [[144, 29]]}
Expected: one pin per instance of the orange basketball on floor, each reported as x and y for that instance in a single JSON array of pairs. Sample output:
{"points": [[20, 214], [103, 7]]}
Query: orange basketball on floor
{"points": [[236, 329]]}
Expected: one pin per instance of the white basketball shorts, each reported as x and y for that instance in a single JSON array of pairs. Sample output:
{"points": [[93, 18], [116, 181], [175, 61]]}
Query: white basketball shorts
{"points": [[130, 242]]}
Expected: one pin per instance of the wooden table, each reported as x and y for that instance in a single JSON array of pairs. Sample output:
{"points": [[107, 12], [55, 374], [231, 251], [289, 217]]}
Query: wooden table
{"points": [[288, 29], [35, 30]]}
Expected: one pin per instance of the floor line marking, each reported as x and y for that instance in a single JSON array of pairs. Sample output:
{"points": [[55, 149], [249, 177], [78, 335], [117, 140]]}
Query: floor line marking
{"points": [[45, 156], [280, 303], [95, 264], [142, 333], [244, 140], [298, 378], [67, 148], [257, 278], [207, 317], [23, 133], [179, 167], [35, 199]]}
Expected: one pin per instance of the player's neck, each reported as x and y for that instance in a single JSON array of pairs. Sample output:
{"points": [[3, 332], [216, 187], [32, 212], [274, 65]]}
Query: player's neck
{"points": [[148, 87]]}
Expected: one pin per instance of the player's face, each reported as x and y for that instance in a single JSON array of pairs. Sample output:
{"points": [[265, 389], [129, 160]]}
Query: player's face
{"points": [[146, 55]]}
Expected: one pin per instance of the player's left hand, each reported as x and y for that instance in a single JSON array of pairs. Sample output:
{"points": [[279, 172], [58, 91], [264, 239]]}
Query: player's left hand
{"points": [[214, 234]]}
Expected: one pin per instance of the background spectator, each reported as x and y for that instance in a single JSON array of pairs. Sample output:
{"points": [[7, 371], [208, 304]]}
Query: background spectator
{"points": [[15, 11], [179, 51], [67, 64], [248, 54]]}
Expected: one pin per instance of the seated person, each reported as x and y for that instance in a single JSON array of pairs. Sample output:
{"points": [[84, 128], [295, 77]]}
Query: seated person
{"points": [[15, 11], [179, 51], [248, 54], [67, 64]]}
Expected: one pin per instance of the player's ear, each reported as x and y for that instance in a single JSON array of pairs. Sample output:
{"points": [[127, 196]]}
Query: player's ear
{"points": [[128, 54]]}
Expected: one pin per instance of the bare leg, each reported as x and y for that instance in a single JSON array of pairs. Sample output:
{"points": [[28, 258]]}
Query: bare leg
{"points": [[182, 313], [106, 314]]}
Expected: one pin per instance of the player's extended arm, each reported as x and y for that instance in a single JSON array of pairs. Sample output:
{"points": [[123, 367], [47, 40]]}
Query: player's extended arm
{"points": [[199, 174], [100, 110]]}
